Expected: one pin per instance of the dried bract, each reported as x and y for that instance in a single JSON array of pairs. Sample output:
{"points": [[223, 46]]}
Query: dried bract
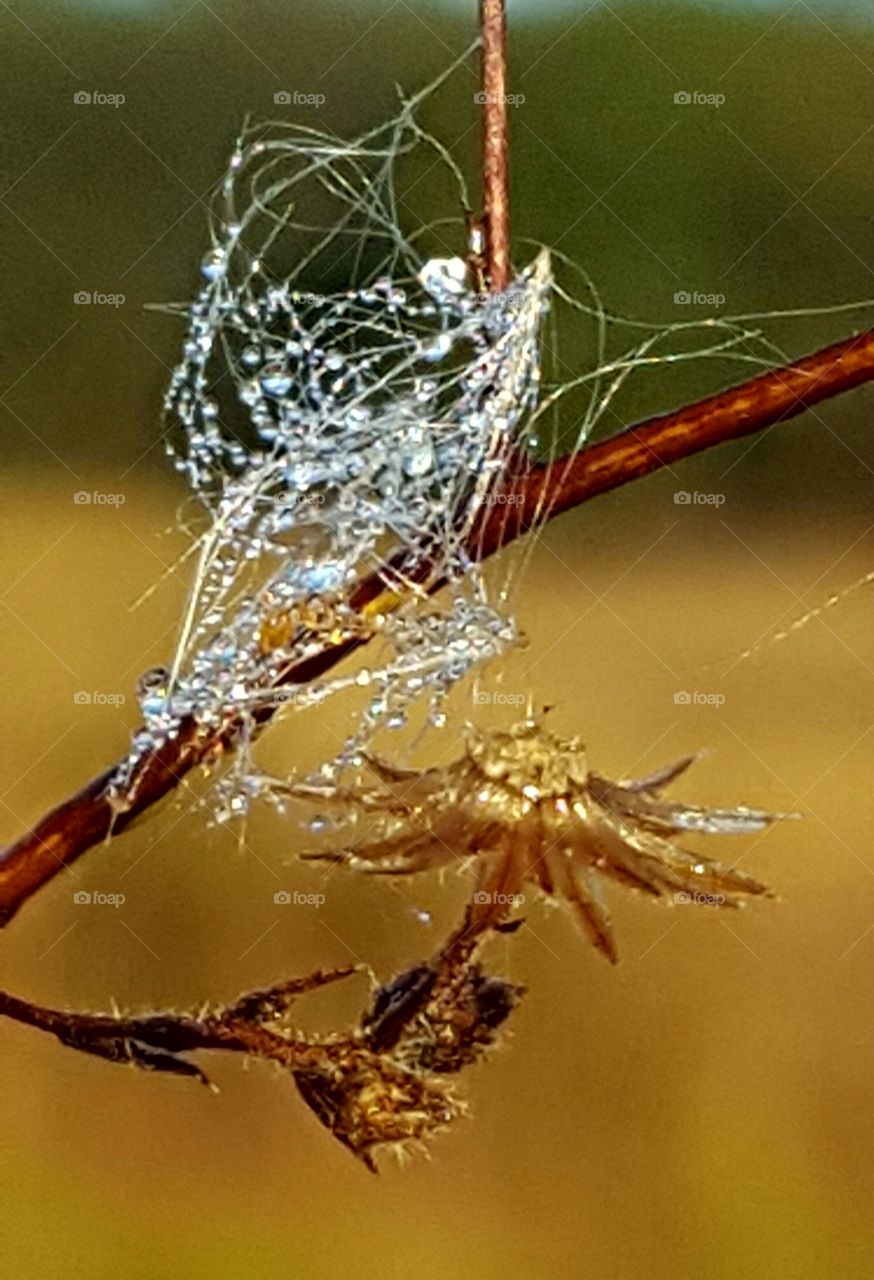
{"points": [[381, 1086]]}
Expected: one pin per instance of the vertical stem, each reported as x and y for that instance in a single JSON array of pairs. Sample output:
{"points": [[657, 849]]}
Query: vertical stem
{"points": [[496, 174]]}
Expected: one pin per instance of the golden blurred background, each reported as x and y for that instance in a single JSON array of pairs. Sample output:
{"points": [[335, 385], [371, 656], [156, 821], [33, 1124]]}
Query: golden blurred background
{"points": [[705, 1109]]}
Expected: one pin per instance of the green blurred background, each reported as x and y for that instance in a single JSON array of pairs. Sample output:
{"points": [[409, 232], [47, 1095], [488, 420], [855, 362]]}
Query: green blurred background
{"points": [[705, 1110]]}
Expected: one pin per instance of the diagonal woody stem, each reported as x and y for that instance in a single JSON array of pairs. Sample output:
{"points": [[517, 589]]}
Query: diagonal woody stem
{"points": [[540, 493]]}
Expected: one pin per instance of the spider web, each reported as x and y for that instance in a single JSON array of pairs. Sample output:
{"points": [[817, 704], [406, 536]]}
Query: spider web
{"points": [[345, 407]]}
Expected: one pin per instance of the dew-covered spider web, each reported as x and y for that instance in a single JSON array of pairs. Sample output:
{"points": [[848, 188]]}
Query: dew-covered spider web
{"points": [[349, 401]]}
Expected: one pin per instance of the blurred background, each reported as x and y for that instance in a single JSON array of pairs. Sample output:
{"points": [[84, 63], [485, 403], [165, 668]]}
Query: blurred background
{"points": [[705, 1109]]}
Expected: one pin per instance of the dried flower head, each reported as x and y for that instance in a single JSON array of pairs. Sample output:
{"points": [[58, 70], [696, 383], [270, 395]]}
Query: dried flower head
{"points": [[524, 806]]}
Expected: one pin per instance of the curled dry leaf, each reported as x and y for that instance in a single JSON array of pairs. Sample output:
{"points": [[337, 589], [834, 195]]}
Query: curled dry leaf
{"points": [[380, 1086]]}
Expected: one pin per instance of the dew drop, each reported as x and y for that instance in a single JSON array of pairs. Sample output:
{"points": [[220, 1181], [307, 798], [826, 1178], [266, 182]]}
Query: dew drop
{"points": [[214, 264], [436, 349], [276, 382]]}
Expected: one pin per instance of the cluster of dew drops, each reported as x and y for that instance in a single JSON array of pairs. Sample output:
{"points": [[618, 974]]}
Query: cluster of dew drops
{"points": [[324, 436]]}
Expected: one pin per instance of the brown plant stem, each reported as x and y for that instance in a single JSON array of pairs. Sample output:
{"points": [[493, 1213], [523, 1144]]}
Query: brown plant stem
{"points": [[383, 1083], [66, 832], [765, 401], [496, 166]]}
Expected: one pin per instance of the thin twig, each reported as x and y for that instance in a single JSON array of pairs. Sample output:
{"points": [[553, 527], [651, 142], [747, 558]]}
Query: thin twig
{"points": [[381, 1084], [540, 493], [496, 169], [765, 401]]}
